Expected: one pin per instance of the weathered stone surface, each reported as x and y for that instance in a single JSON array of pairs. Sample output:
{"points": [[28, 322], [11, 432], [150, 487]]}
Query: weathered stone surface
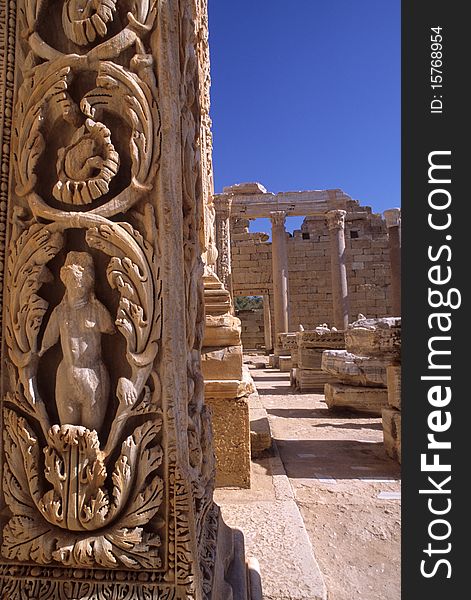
{"points": [[392, 432], [230, 419], [394, 386], [245, 188], [107, 461], [310, 358], [309, 257], [356, 370], [285, 363], [222, 363], [359, 399], [321, 337], [217, 299], [276, 535], [260, 432], [287, 342], [368, 337], [310, 380], [228, 388], [252, 335], [223, 330]]}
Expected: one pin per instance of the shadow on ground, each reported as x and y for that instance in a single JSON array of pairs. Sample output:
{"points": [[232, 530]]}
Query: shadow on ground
{"points": [[339, 459], [324, 413]]}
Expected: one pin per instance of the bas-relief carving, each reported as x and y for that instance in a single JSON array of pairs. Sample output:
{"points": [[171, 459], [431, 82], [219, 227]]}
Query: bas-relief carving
{"points": [[89, 461]]}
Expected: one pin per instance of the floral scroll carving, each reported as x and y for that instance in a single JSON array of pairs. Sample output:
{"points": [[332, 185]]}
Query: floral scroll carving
{"points": [[85, 20], [86, 167], [83, 470], [107, 462]]}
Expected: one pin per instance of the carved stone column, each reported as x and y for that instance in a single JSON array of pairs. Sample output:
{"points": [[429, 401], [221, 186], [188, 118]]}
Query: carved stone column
{"points": [[393, 223], [336, 226], [223, 240], [107, 463], [280, 274]]}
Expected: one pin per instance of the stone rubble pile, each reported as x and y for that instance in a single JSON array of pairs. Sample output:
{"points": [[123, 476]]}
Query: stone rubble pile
{"points": [[360, 371]]}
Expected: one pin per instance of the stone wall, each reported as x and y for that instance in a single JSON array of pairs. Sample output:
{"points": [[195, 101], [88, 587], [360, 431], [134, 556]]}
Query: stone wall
{"points": [[252, 328], [368, 269]]}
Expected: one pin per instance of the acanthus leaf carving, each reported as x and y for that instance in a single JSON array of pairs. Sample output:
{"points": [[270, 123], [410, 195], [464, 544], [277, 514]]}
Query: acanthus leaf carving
{"points": [[137, 496], [25, 310]]}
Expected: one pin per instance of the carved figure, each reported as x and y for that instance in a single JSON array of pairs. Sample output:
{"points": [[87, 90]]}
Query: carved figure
{"points": [[82, 382]]}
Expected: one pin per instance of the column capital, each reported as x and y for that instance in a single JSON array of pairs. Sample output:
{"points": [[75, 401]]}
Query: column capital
{"points": [[335, 219], [222, 206], [392, 217], [278, 217]]}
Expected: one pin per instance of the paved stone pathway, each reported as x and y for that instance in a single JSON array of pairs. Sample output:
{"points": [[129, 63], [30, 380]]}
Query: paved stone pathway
{"points": [[347, 489]]}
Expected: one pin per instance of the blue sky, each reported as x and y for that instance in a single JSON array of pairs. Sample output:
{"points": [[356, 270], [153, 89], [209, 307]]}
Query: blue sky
{"points": [[306, 95]]}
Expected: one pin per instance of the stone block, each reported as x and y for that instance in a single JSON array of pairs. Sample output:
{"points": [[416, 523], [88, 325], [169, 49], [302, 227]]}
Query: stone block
{"points": [[230, 420], [287, 341], [368, 337], [310, 358], [260, 432], [321, 338], [221, 330], [222, 363], [394, 386], [356, 370], [285, 363], [392, 432], [310, 380], [367, 400]]}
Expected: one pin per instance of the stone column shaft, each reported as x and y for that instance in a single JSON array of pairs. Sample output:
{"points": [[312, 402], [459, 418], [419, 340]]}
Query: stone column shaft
{"points": [[336, 225], [267, 324], [280, 274], [393, 223]]}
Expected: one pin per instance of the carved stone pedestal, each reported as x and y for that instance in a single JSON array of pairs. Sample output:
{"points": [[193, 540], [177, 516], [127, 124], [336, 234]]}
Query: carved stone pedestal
{"points": [[107, 460]]}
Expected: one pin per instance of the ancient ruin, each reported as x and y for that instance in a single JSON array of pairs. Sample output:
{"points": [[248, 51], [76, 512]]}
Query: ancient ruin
{"points": [[337, 265], [125, 397], [108, 469], [372, 345]]}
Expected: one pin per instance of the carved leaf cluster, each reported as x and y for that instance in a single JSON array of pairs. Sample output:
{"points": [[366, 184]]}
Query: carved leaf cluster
{"points": [[137, 495]]}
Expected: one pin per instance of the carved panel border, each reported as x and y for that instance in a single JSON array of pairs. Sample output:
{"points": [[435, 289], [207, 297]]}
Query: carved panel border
{"points": [[7, 70]]}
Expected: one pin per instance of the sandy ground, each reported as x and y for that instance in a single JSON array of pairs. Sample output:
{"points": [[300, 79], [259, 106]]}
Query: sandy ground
{"points": [[347, 489]]}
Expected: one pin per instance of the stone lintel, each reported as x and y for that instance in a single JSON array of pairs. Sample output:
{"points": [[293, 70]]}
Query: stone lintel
{"points": [[305, 203]]}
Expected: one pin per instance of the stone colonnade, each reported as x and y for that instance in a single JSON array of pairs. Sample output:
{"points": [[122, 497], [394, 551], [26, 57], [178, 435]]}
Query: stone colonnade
{"points": [[235, 202], [336, 224]]}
